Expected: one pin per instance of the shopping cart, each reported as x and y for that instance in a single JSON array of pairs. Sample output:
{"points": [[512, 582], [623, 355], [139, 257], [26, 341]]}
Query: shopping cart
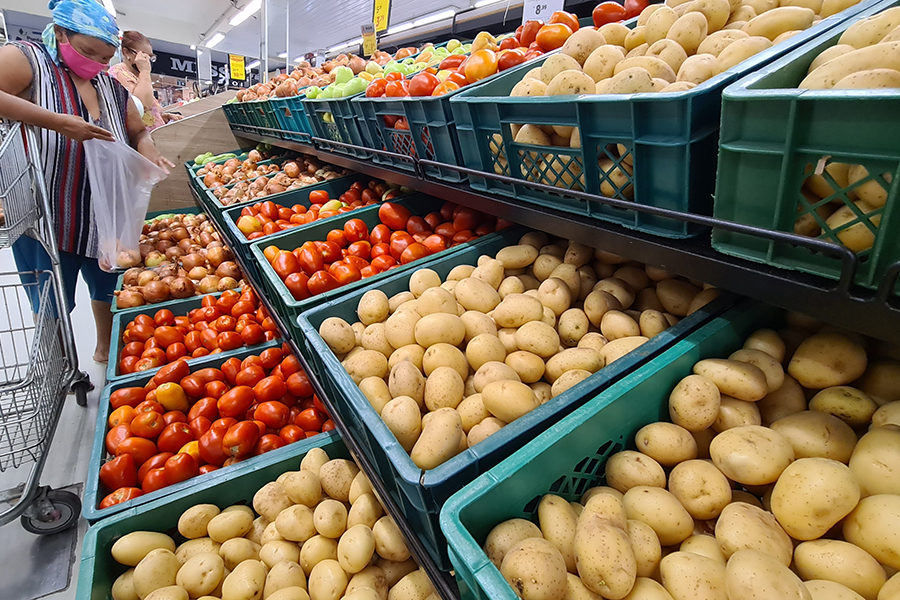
{"points": [[39, 362]]}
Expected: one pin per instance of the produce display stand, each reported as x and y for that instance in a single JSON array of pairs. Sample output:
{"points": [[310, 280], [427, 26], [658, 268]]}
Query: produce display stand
{"points": [[422, 493], [774, 134], [570, 456], [98, 570]]}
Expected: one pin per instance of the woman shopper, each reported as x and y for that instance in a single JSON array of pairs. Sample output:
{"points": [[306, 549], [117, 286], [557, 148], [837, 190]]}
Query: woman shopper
{"points": [[59, 86], [134, 73]]}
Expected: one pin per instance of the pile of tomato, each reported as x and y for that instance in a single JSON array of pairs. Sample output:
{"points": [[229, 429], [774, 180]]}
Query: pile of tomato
{"points": [[613, 12], [183, 424], [354, 252], [266, 218], [228, 322]]}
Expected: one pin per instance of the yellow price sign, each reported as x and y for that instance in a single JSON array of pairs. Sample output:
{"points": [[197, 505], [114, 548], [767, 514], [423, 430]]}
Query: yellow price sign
{"points": [[381, 14], [236, 64], [370, 42]]}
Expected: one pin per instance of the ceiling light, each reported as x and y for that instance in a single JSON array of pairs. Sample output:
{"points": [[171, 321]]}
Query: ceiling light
{"points": [[253, 65], [215, 39], [248, 11], [108, 5], [400, 27], [282, 55], [193, 46], [438, 16], [346, 44], [481, 3]]}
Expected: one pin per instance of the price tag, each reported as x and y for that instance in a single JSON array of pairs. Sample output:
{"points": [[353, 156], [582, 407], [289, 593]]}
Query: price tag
{"points": [[236, 65], [533, 10], [381, 13], [370, 42]]}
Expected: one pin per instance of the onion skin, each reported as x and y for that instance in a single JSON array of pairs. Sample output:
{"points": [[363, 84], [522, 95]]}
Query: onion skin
{"points": [[198, 273], [129, 299], [154, 259], [155, 291], [228, 269], [227, 283], [131, 276], [181, 287], [209, 284], [189, 261], [146, 277]]}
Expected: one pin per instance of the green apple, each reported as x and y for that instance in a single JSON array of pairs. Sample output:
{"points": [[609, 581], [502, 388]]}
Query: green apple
{"points": [[355, 86], [392, 67], [373, 67], [408, 60], [453, 45], [327, 93], [419, 66], [459, 50], [343, 74], [313, 92]]}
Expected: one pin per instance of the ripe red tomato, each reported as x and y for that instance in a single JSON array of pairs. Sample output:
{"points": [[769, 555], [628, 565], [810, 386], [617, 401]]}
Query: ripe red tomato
{"points": [[413, 252], [174, 416], [208, 469], [417, 225], [361, 249], [236, 401], [209, 374], [229, 340], [181, 467], [322, 282], [633, 8], [356, 230], [299, 385], [240, 439], [274, 414], [271, 357], [394, 215], [121, 495], [310, 419], [395, 76], [291, 433], [174, 436], [230, 369], [435, 243], [199, 426], [381, 263], [607, 12], [346, 273], [253, 334], [119, 472], [551, 37], [285, 263], [267, 443], [566, 18], [330, 251], [423, 84], [215, 389], [375, 89], [155, 479], [176, 351], [397, 89], [148, 425], [481, 64], [509, 43], [210, 446], [270, 389], [140, 449], [130, 396], [399, 242], [451, 62], [380, 234], [510, 58], [310, 260], [250, 375], [166, 336], [529, 32], [157, 461]]}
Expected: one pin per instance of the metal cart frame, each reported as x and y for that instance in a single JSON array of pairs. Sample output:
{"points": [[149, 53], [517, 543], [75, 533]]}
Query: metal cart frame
{"points": [[39, 360]]}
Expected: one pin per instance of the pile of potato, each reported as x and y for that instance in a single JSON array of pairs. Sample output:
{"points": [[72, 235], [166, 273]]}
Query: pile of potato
{"points": [[770, 482], [321, 534], [448, 364]]}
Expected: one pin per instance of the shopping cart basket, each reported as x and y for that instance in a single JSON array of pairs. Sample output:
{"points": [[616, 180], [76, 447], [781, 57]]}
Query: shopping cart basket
{"points": [[37, 351]]}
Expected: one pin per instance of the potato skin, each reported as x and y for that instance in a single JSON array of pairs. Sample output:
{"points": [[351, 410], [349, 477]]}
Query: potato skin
{"points": [[535, 570]]}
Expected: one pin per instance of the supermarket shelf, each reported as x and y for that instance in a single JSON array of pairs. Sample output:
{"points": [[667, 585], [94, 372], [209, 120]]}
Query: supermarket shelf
{"points": [[873, 313], [443, 582]]}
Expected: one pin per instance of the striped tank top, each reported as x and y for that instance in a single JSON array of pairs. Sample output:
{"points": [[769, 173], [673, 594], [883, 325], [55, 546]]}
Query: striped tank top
{"points": [[65, 170]]}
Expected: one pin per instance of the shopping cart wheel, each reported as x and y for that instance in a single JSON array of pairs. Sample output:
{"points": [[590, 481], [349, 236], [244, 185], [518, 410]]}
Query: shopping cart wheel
{"points": [[53, 511], [80, 387]]}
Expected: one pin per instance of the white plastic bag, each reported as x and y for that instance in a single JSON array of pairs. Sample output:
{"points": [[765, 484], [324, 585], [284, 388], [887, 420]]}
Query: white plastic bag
{"points": [[121, 181]]}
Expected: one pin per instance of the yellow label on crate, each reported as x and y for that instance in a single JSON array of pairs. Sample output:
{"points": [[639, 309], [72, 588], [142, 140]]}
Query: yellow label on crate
{"points": [[236, 64], [380, 14]]}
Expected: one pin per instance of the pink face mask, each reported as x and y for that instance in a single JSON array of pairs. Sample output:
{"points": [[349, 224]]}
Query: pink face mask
{"points": [[78, 63]]}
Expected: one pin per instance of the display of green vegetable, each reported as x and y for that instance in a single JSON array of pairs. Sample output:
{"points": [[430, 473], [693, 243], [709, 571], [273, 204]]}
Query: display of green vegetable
{"points": [[209, 157]]}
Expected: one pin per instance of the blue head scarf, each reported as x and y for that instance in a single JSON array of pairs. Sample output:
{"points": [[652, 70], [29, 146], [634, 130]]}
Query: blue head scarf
{"points": [[88, 17]]}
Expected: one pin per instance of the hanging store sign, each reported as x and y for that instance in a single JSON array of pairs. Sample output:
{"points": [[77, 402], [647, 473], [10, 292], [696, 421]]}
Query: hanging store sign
{"points": [[381, 15], [370, 42], [236, 66], [186, 67], [540, 9]]}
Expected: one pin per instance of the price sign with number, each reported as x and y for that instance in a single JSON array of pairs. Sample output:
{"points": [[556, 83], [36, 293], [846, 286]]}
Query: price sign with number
{"points": [[534, 10], [370, 42], [381, 13]]}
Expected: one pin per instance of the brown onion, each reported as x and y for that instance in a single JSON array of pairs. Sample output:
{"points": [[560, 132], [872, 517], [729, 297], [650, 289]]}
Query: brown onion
{"points": [[165, 234], [168, 279], [227, 283], [254, 156], [129, 299], [131, 276], [228, 269], [209, 284], [155, 291], [190, 261], [205, 238], [181, 287], [185, 245], [174, 252], [146, 249], [198, 273], [291, 169], [154, 259], [146, 277], [180, 233]]}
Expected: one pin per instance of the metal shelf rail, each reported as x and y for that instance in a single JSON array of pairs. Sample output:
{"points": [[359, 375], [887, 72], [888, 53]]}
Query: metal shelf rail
{"points": [[874, 313], [443, 582]]}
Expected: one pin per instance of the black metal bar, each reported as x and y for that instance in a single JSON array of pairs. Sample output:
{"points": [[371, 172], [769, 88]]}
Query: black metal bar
{"points": [[865, 311], [442, 581]]}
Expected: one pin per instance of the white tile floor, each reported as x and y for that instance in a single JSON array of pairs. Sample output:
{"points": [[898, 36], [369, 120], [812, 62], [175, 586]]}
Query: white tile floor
{"points": [[70, 450]]}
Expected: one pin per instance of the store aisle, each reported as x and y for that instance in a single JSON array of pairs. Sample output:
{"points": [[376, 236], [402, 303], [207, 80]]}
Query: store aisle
{"points": [[30, 562]]}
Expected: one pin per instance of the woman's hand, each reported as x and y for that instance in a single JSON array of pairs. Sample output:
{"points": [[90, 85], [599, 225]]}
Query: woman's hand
{"points": [[142, 62], [148, 150], [78, 129]]}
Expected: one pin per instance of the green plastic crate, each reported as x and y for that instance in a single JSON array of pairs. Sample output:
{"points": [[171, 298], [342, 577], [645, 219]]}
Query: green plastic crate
{"points": [[569, 457], [291, 118], [774, 134], [671, 139], [343, 126], [94, 492], [197, 182], [421, 494], [289, 308], [98, 570]]}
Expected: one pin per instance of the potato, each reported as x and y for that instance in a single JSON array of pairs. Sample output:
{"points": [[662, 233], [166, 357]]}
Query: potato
{"points": [[751, 454], [616, 349], [657, 67], [846, 403], [876, 461], [676, 295], [820, 589], [768, 364], [445, 355], [503, 537], [592, 340], [376, 392], [440, 439], [327, 581], [489, 270], [704, 545], [399, 329], [389, 543], [131, 548], [662, 511], [237, 550], [858, 237], [703, 439], [365, 510], [739, 51], [786, 400], [232, 524], [871, 192], [888, 414], [890, 589], [444, 388], [751, 574], [628, 469], [413, 586], [740, 380], [172, 592], [422, 279], [508, 400], [694, 403], [604, 556], [689, 30], [768, 341], [270, 534], [696, 69], [557, 522], [191, 548], [687, 576], [701, 488], [278, 551], [330, 518], [337, 333], [528, 366], [586, 359], [872, 527], [827, 359], [636, 37], [538, 338], [490, 372], [556, 295], [777, 21], [815, 434], [840, 562], [406, 380], [659, 23], [872, 30], [158, 569], [201, 574], [635, 80], [736, 413], [436, 300], [517, 309], [367, 363], [645, 544], [741, 526], [715, 11], [598, 303], [571, 83], [439, 328], [123, 587], [373, 307], [193, 522], [568, 380], [336, 477], [617, 324], [370, 579], [290, 593], [556, 64], [315, 550], [667, 443]]}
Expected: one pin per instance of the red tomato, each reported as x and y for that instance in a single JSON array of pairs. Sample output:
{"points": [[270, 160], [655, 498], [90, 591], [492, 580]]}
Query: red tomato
{"points": [[375, 89], [551, 37], [310, 419], [181, 467], [154, 480], [299, 385], [327, 425], [413, 252], [379, 249], [199, 426], [423, 84], [127, 364], [225, 323], [397, 89], [362, 249], [399, 241], [139, 449], [481, 64], [119, 472], [130, 396], [132, 349], [458, 78], [285, 263], [318, 197], [208, 469], [395, 76], [448, 86], [192, 341], [210, 374], [452, 62], [394, 215], [210, 446], [607, 12], [166, 336], [356, 230], [229, 340], [510, 58], [509, 43], [330, 251], [174, 436], [272, 357], [174, 416], [380, 234], [529, 32], [121, 416], [310, 260], [273, 414], [209, 339], [121, 495], [230, 369], [417, 225], [270, 389], [267, 443], [236, 401], [382, 263], [290, 365], [149, 406], [148, 425], [291, 433], [176, 351], [634, 8], [297, 285], [240, 439], [156, 461], [435, 243], [322, 282], [566, 18], [345, 273], [215, 389]]}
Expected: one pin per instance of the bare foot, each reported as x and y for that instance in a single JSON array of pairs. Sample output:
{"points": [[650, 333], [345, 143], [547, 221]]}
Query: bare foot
{"points": [[101, 356]]}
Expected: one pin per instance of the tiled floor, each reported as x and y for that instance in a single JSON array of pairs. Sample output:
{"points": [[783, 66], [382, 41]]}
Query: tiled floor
{"points": [[67, 461]]}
